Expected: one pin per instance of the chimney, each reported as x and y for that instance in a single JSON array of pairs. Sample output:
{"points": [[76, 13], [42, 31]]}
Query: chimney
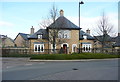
{"points": [[88, 31], [32, 30], [61, 12], [118, 34]]}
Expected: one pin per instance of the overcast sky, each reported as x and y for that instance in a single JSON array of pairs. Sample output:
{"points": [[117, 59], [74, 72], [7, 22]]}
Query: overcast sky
{"points": [[18, 17]]}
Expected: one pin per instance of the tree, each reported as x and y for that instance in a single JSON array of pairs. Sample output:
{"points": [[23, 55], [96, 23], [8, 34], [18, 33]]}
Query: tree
{"points": [[53, 31], [104, 28]]}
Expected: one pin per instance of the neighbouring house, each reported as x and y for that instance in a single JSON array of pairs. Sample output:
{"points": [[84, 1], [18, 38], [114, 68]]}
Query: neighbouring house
{"points": [[106, 41], [86, 41], [21, 40], [6, 41]]}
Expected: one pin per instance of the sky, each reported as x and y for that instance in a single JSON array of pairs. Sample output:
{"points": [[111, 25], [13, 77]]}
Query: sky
{"points": [[19, 17]]}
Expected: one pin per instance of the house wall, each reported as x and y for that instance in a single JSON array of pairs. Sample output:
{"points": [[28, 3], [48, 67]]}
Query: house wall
{"points": [[89, 44], [32, 42], [85, 40], [20, 42], [74, 39], [8, 43]]}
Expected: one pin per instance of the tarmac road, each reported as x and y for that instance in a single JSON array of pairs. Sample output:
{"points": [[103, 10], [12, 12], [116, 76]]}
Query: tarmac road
{"points": [[22, 69]]}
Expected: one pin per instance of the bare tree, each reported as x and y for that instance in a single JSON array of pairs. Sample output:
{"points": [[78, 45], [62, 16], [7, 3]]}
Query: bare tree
{"points": [[53, 31], [104, 28]]}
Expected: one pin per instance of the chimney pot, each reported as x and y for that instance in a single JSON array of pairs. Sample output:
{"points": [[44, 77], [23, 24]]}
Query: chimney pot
{"points": [[61, 12], [88, 31]]}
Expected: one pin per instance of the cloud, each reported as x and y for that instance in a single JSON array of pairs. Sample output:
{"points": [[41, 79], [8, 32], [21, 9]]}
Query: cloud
{"points": [[91, 22], [6, 24]]}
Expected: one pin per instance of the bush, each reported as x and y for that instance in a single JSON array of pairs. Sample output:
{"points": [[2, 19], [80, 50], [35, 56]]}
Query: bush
{"points": [[74, 56]]}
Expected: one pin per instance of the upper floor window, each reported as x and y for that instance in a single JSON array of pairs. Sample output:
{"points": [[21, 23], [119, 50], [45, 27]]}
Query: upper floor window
{"points": [[64, 34], [40, 36]]}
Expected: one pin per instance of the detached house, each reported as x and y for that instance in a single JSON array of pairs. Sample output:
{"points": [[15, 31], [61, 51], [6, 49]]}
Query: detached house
{"points": [[69, 38], [68, 32]]}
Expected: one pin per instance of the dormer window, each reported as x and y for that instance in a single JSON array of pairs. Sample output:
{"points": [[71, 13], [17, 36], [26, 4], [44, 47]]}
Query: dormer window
{"points": [[40, 36], [85, 37]]}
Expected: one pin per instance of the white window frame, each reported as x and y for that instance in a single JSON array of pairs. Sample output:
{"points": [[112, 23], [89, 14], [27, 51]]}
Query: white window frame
{"points": [[52, 47], [66, 35], [59, 35], [66, 44], [86, 45], [73, 45], [85, 37], [38, 46], [40, 36]]}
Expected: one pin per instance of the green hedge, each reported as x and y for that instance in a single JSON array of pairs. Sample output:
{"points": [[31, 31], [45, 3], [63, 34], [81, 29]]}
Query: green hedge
{"points": [[74, 56], [66, 56]]}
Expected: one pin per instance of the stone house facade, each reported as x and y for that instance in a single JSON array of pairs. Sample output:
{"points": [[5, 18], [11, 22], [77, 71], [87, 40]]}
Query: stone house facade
{"points": [[6, 41], [70, 38], [68, 32], [21, 40], [86, 41]]}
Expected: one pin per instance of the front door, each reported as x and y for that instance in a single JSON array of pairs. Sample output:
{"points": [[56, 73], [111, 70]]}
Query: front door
{"points": [[65, 48]]}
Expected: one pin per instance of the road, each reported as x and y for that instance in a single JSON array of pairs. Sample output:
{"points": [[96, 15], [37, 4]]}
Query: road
{"points": [[22, 69]]}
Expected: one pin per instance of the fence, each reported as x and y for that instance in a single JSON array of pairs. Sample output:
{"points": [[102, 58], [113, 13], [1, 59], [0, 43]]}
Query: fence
{"points": [[7, 51]]}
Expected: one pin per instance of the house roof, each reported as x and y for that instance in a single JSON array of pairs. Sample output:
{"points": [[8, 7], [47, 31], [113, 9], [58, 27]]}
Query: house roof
{"points": [[82, 33], [63, 23], [100, 38], [25, 36], [40, 31]]}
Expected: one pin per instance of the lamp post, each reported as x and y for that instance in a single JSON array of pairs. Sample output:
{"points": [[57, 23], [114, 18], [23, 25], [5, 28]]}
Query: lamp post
{"points": [[79, 21]]}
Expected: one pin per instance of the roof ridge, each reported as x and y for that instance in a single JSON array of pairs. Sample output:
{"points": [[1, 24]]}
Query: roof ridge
{"points": [[24, 33]]}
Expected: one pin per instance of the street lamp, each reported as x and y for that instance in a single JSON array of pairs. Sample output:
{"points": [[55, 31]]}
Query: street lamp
{"points": [[79, 20]]}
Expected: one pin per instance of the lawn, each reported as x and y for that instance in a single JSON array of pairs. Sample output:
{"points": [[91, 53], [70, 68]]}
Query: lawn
{"points": [[67, 56]]}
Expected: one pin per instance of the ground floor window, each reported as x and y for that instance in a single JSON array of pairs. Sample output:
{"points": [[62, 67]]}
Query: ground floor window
{"points": [[38, 47], [74, 47], [86, 47], [52, 47]]}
